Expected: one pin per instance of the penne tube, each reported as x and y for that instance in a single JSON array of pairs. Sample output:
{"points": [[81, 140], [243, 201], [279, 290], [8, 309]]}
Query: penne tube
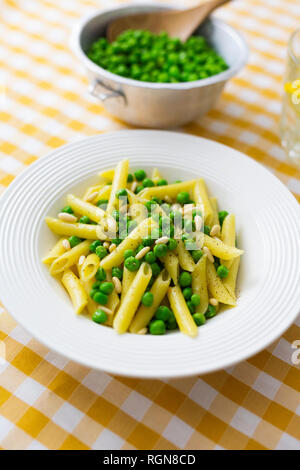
{"points": [[103, 194], [75, 290], [199, 284], [107, 174], [228, 235], [55, 252], [89, 268], [230, 281], [128, 277], [70, 257], [91, 305], [85, 208], [170, 190], [219, 249], [145, 314], [132, 299], [201, 199], [172, 265], [91, 232], [119, 182], [214, 205], [182, 314], [113, 301], [91, 190], [130, 242], [185, 258], [216, 287], [156, 175]]}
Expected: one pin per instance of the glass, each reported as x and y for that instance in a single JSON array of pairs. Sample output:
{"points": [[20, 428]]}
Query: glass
{"points": [[290, 118]]}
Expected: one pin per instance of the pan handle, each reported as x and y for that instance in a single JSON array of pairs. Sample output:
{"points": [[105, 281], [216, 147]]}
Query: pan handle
{"points": [[110, 92]]}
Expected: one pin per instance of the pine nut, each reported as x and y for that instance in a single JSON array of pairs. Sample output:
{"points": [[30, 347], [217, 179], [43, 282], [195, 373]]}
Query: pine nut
{"points": [[66, 244], [106, 244], [214, 302], [208, 254], [142, 253], [161, 240], [112, 247], [118, 285], [143, 331], [81, 260], [106, 310], [92, 196], [134, 186], [67, 217], [198, 222], [215, 231]]}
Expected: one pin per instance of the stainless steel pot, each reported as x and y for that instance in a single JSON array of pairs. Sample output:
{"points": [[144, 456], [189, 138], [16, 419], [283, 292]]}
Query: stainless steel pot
{"points": [[157, 105]]}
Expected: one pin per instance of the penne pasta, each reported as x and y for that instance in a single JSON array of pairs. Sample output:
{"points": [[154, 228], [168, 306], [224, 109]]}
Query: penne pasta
{"points": [[119, 182], [128, 277], [107, 174], [75, 290], [55, 252], [172, 265], [182, 314], [199, 284], [145, 314], [219, 249], [216, 287], [129, 243], [214, 205], [85, 208], [89, 268], [69, 258], [228, 235], [185, 259], [132, 299], [90, 232], [92, 190], [170, 190], [230, 281], [103, 194], [201, 199]]}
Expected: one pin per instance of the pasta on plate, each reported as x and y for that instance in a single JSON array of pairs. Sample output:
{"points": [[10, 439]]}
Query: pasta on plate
{"points": [[141, 255]]}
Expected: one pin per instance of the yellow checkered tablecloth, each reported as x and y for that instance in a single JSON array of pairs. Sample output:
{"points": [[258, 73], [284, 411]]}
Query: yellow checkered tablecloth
{"points": [[48, 402]]}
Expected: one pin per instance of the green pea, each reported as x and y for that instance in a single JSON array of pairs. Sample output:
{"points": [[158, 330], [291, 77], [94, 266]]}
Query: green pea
{"points": [[139, 188], [116, 241], [140, 175], [100, 298], [84, 220], [93, 292], [195, 299], [150, 257], [197, 254], [150, 205], [199, 319], [128, 253], [222, 215], [155, 269], [172, 244], [187, 293], [132, 264], [117, 272], [99, 316], [74, 241], [156, 199], [147, 241], [148, 183], [101, 251], [129, 178], [96, 285], [121, 193], [207, 229], [94, 245], [171, 324], [185, 279], [67, 209], [147, 299], [163, 313], [102, 203], [191, 306], [100, 274], [107, 287], [222, 271], [157, 327], [183, 197], [162, 182], [160, 250], [210, 312]]}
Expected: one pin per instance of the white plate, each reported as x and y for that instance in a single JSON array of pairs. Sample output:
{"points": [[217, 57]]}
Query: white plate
{"points": [[268, 228]]}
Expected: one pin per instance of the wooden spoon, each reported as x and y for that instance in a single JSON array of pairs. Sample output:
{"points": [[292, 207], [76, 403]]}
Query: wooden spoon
{"points": [[177, 23]]}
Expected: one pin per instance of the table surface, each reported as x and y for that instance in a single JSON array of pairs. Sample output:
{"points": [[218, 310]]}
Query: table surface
{"points": [[48, 402]]}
